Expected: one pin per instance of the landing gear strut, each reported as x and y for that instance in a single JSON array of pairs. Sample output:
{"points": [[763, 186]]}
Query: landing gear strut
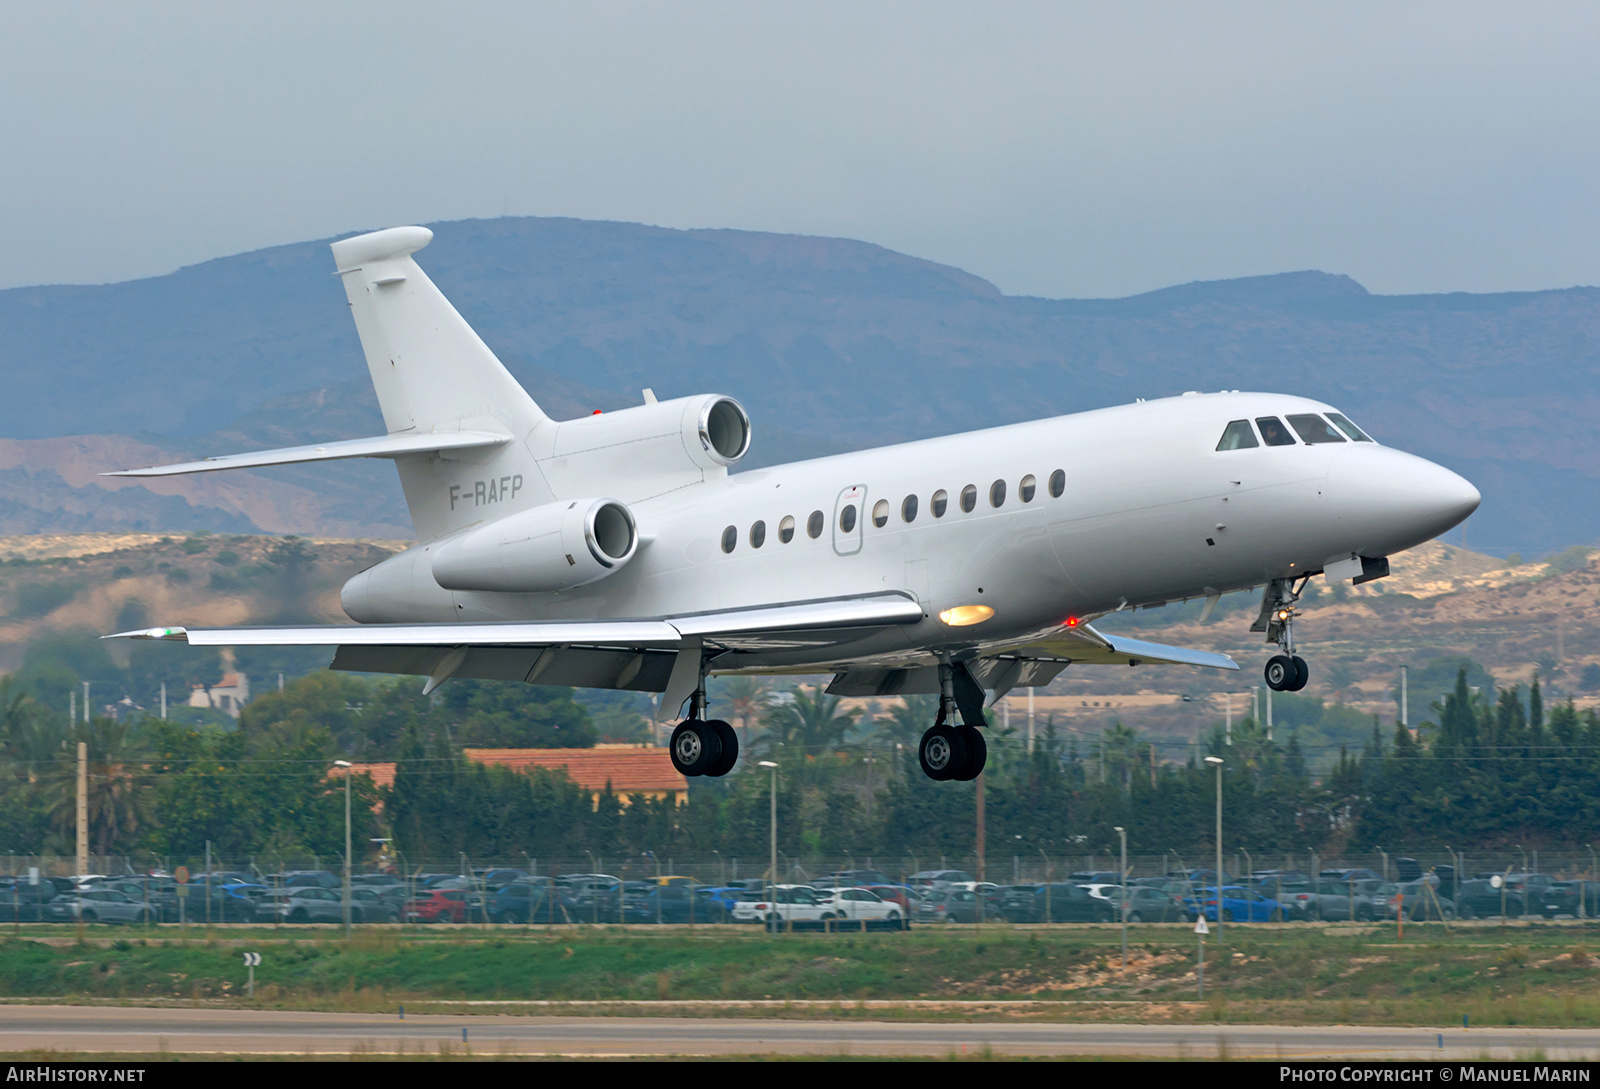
{"points": [[1285, 672], [701, 746], [949, 752]]}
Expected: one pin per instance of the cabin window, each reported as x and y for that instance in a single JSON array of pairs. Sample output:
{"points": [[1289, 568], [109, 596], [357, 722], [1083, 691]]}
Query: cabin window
{"points": [[1058, 483], [880, 513], [758, 535], [969, 498], [1026, 487], [1343, 424], [1238, 435], [786, 529], [730, 537], [814, 524], [939, 503], [1273, 433], [908, 509], [847, 518], [997, 494]]}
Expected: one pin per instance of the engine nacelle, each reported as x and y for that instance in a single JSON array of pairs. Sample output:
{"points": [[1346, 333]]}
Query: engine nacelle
{"points": [[645, 450], [554, 547]]}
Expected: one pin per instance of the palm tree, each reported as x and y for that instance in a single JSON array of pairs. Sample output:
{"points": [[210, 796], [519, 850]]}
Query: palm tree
{"points": [[747, 697], [1118, 751], [808, 721], [31, 737], [119, 803], [1341, 678]]}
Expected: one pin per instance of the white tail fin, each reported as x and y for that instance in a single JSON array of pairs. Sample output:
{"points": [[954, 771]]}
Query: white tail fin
{"points": [[433, 373]]}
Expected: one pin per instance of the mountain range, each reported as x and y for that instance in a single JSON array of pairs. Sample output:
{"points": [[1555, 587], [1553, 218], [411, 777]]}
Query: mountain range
{"points": [[831, 344]]}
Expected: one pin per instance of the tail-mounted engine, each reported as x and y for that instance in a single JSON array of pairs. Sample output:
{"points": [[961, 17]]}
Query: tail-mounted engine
{"points": [[646, 450], [554, 547]]}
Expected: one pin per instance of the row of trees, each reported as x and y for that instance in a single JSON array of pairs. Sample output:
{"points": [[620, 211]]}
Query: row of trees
{"points": [[1485, 771]]}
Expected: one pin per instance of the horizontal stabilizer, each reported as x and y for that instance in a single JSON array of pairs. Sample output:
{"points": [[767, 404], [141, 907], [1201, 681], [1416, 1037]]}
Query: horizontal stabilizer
{"points": [[382, 446]]}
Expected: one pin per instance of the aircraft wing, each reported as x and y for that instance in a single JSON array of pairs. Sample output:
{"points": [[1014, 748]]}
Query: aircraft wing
{"points": [[1087, 645], [383, 446], [637, 654]]}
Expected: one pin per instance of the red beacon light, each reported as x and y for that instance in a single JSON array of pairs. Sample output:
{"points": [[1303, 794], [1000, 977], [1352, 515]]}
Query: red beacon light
{"points": [[1072, 622]]}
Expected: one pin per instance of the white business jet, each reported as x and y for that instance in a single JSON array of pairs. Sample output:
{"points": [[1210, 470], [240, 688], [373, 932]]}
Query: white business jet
{"points": [[616, 550]]}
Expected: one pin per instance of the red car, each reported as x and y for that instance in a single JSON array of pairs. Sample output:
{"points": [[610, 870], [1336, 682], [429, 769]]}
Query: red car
{"points": [[895, 894], [438, 906]]}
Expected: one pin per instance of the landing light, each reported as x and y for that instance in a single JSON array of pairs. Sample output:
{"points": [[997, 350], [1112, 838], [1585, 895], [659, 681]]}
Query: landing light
{"points": [[962, 615]]}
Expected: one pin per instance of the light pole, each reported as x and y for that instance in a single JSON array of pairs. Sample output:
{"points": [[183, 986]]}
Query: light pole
{"points": [[1583, 900], [1217, 760], [1122, 833], [773, 841], [345, 764]]}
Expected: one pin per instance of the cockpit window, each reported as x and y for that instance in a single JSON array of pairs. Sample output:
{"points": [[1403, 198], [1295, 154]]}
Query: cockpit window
{"points": [[1314, 429], [1238, 436], [1273, 433], [1343, 424]]}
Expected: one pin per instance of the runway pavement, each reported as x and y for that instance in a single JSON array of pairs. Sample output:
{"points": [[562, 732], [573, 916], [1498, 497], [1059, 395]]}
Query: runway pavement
{"points": [[90, 1029]]}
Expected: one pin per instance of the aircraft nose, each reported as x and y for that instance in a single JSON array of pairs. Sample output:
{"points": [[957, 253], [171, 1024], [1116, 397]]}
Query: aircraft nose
{"points": [[1404, 497]]}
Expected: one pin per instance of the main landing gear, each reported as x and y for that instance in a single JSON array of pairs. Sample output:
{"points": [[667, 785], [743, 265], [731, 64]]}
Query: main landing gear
{"points": [[949, 752], [1285, 672], [702, 746]]}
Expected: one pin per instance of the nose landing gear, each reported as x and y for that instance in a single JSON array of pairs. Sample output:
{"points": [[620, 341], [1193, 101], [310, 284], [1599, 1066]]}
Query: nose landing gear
{"points": [[955, 752], [1285, 672]]}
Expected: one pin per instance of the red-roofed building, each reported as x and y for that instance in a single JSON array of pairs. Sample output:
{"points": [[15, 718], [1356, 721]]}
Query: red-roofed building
{"points": [[629, 769]]}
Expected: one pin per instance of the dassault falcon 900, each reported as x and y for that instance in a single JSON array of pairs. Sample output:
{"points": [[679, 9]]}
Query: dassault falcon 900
{"points": [[617, 551]]}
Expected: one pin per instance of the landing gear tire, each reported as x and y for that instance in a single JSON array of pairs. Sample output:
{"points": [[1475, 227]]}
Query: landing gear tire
{"points": [[695, 747], [1280, 673], [1302, 673], [730, 747], [977, 755], [942, 753]]}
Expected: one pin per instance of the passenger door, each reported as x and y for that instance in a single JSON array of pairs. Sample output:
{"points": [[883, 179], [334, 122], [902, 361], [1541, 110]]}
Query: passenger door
{"points": [[849, 520]]}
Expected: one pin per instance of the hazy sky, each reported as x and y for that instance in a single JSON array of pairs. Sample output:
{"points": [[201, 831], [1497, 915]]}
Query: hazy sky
{"points": [[1057, 149]]}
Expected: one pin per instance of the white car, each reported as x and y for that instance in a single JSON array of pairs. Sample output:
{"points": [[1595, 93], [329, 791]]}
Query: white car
{"points": [[794, 903], [1102, 891], [857, 904]]}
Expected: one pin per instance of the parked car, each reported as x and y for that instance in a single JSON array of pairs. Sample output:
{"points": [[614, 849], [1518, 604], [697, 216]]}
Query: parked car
{"points": [[1056, 903], [437, 906], [100, 906], [300, 904], [370, 906], [842, 879], [952, 905], [928, 878], [235, 902], [856, 904], [1417, 899], [1327, 900], [907, 897], [522, 902], [791, 904], [1151, 905], [25, 903], [1351, 873], [1238, 904], [321, 879], [1579, 899], [1478, 898]]}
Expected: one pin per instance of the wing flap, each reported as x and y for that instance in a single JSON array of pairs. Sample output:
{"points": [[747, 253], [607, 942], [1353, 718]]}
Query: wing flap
{"points": [[382, 446], [1091, 647]]}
